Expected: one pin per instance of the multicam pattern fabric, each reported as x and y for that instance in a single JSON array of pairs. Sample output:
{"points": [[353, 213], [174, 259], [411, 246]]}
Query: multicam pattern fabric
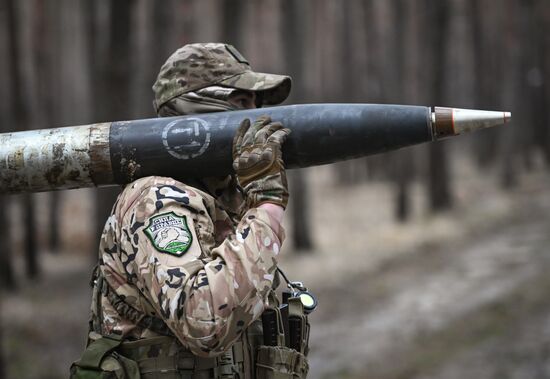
{"points": [[200, 65], [209, 295]]}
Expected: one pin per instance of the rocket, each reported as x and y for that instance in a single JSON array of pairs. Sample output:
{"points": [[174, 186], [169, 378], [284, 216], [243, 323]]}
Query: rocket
{"points": [[200, 145]]}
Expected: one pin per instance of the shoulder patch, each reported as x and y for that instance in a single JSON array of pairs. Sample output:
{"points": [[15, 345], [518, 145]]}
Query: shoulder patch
{"points": [[169, 233]]}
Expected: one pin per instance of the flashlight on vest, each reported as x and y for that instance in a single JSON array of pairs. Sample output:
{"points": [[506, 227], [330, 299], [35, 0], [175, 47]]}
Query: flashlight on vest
{"points": [[308, 301], [297, 289]]}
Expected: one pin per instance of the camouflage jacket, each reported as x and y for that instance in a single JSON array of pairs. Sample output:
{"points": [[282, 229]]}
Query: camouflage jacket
{"points": [[158, 229]]}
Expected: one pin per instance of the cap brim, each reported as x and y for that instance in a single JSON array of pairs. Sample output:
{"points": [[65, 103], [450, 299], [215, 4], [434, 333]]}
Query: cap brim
{"points": [[275, 88]]}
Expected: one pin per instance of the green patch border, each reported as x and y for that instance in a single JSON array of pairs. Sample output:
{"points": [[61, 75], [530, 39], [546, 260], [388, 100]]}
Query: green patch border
{"points": [[165, 251]]}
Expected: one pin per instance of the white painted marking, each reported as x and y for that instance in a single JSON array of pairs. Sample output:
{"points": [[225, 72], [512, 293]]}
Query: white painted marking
{"points": [[198, 135]]}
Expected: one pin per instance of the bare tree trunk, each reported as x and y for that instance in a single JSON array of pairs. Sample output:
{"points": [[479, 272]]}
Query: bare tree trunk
{"points": [[48, 74], [31, 249], [486, 65], [7, 277], [22, 111], [114, 78], [439, 175], [2, 360], [145, 62], [511, 78], [232, 11], [347, 172], [117, 68], [292, 34], [301, 225], [531, 84], [403, 167], [533, 99], [97, 60], [165, 33], [544, 14], [54, 223]]}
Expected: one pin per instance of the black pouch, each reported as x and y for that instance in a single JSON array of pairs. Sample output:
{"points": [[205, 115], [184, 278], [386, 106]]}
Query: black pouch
{"points": [[280, 362], [101, 361]]}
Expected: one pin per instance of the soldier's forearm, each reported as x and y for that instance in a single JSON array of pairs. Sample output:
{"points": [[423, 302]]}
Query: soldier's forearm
{"points": [[274, 210]]}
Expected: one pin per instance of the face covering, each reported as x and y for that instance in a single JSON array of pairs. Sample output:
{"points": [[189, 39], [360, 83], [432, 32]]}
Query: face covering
{"points": [[206, 100]]}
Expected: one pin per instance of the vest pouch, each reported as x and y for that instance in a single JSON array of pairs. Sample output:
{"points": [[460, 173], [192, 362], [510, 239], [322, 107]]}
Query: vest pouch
{"points": [[280, 362], [101, 361]]}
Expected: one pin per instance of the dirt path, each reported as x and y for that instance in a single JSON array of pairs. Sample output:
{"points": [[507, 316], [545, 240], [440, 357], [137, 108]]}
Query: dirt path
{"points": [[463, 308], [423, 310], [460, 295]]}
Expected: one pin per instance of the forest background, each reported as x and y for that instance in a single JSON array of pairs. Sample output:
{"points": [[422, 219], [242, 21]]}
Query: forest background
{"points": [[440, 249]]}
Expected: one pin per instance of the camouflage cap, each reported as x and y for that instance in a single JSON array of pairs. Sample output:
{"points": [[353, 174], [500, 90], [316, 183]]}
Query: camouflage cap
{"points": [[200, 65]]}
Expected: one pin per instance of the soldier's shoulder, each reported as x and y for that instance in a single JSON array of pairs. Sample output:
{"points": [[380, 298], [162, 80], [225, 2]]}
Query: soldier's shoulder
{"points": [[146, 183], [154, 189]]}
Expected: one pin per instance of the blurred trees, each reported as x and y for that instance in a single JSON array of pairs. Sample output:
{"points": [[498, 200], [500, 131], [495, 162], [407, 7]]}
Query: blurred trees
{"points": [[112, 72], [7, 279], [436, 35], [24, 112], [292, 33], [72, 62], [2, 360], [68, 62]]}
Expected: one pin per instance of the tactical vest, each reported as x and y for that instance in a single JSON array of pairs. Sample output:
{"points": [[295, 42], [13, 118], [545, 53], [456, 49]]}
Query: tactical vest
{"points": [[273, 347]]}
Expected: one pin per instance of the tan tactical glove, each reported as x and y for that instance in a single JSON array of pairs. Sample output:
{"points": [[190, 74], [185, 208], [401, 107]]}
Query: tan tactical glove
{"points": [[258, 163]]}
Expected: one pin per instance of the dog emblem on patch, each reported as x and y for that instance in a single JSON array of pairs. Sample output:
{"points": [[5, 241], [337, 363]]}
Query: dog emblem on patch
{"points": [[169, 233]]}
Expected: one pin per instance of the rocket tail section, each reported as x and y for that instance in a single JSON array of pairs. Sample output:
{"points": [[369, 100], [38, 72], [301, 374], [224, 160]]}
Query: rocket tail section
{"points": [[52, 159]]}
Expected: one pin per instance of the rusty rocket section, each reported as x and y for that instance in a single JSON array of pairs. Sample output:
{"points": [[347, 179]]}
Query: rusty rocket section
{"points": [[50, 159]]}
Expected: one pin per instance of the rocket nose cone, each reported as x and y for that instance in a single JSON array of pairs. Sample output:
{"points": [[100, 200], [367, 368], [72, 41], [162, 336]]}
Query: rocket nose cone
{"points": [[455, 121]]}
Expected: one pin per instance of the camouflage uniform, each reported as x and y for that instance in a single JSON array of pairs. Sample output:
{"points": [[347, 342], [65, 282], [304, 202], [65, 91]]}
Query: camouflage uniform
{"points": [[206, 311], [176, 261]]}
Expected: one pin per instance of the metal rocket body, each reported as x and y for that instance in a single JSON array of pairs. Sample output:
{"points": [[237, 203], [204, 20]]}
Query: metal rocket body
{"points": [[200, 145]]}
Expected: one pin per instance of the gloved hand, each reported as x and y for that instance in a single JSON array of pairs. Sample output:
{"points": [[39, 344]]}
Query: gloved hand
{"points": [[258, 163]]}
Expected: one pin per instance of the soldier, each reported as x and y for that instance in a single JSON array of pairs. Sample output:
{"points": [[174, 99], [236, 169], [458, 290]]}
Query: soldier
{"points": [[186, 270]]}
